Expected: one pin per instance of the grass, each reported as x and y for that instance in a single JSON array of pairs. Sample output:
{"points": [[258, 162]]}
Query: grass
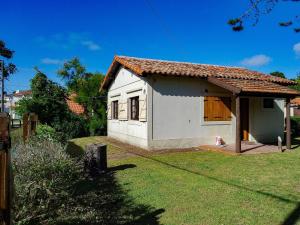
{"points": [[210, 188]]}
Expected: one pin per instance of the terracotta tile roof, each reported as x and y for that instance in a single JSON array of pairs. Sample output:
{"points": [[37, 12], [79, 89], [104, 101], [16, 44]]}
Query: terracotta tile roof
{"points": [[253, 81], [296, 101], [74, 106], [22, 93], [257, 86]]}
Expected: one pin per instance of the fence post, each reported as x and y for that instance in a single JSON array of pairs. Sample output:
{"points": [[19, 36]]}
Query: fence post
{"points": [[30, 122], [25, 127], [5, 170]]}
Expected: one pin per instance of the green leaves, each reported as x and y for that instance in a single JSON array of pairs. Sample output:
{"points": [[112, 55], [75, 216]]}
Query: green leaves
{"points": [[72, 72]]}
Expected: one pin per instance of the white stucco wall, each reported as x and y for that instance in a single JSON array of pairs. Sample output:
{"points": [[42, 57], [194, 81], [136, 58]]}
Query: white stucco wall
{"points": [[178, 113], [266, 124], [175, 113], [126, 85]]}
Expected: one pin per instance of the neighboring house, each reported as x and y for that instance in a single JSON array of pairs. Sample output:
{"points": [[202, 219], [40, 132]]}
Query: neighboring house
{"points": [[12, 100], [74, 106], [295, 107], [159, 104]]}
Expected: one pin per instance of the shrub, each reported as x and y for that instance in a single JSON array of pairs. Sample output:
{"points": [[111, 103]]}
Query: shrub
{"points": [[45, 132], [45, 177], [51, 188], [295, 125], [71, 126]]}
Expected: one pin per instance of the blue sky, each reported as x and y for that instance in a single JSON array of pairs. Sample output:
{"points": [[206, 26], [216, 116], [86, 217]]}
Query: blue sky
{"points": [[46, 33]]}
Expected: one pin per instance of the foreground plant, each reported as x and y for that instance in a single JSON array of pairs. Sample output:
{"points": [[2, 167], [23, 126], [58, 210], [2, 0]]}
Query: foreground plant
{"points": [[44, 181]]}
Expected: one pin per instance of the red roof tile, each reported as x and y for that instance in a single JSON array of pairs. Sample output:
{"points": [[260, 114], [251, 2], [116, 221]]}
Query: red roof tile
{"points": [[247, 80], [257, 86], [74, 106], [296, 101], [22, 93]]}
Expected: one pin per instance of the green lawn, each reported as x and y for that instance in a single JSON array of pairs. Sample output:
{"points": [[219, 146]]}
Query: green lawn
{"points": [[208, 187]]}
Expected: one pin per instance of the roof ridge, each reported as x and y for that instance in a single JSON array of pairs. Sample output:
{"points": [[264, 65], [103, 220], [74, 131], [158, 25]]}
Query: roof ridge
{"points": [[171, 61]]}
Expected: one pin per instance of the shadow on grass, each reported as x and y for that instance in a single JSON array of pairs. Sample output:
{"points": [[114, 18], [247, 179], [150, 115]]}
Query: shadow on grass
{"points": [[74, 150], [102, 200], [295, 143], [291, 219]]}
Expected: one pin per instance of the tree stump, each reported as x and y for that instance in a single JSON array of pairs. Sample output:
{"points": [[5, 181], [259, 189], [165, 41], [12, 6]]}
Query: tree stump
{"points": [[95, 159]]}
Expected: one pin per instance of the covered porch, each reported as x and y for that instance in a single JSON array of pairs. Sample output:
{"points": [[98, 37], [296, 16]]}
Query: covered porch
{"points": [[244, 92], [246, 148]]}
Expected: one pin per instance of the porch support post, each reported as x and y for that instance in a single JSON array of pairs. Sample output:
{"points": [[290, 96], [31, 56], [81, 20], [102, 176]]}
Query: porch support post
{"points": [[237, 124], [288, 123]]}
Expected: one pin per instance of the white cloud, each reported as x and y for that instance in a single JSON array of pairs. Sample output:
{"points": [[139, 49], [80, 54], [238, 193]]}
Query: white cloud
{"points": [[256, 60], [91, 45], [49, 61], [68, 41], [296, 49]]}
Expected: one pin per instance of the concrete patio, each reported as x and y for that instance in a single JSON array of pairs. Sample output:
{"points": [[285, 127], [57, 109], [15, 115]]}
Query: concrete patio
{"points": [[246, 148]]}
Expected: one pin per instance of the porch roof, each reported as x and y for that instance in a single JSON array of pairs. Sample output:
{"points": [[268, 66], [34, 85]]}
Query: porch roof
{"points": [[253, 87]]}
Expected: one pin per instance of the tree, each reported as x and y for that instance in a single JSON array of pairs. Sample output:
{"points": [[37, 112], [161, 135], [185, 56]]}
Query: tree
{"points": [[94, 102], [263, 7], [86, 87], [73, 73], [48, 101], [6, 53], [277, 74], [296, 86]]}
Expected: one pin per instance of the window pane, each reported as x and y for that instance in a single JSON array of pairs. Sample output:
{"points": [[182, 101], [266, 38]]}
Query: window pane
{"points": [[268, 103], [134, 106]]}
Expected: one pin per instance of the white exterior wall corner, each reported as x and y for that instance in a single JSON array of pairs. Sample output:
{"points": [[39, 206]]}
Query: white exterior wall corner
{"points": [[178, 113], [126, 85], [265, 125]]}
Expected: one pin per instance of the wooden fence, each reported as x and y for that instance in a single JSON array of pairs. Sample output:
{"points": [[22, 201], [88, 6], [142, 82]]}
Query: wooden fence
{"points": [[5, 169]]}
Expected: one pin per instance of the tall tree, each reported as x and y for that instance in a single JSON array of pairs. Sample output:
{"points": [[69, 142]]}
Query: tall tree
{"points": [[8, 68], [278, 74], [48, 101], [86, 87], [73, 72], [258, 8]]}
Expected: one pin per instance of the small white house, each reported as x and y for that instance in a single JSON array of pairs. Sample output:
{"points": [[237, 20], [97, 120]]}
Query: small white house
{"points": [[157, 104], [11, 101]]}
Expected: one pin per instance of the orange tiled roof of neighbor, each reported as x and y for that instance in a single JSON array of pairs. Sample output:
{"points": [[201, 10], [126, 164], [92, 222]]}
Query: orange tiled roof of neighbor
{"points": [[74, 106], [296, 101], [22, 93], [144, 67]]}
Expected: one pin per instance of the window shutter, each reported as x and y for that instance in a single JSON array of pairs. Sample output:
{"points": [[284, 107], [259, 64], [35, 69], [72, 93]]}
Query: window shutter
{"points": [[128, 109], [143, 108], [123, 110], [109, 111], [217, 108]]}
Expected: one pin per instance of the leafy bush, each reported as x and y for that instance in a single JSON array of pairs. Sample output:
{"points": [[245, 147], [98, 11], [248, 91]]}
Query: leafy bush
{"points": [[51, 188], [44, 181], [295, 125], [45, 132], [71, 126]]}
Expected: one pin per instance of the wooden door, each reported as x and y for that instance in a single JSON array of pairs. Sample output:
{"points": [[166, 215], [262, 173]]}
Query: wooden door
{"points": [[244, 119]]}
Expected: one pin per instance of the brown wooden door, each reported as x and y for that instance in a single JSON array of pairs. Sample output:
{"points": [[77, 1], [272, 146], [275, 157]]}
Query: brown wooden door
{"points": [[244, 119]]}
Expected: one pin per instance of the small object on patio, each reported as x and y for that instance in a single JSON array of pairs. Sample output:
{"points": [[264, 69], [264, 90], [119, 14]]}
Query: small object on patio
{"points": [[95, 159], [219, 141], [280, 144]]}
